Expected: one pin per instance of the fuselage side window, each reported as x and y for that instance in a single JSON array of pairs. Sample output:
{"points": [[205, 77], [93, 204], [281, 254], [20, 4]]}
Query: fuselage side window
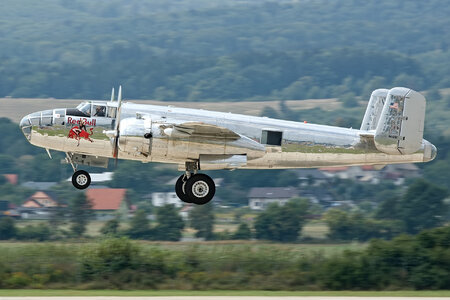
{"points": [[111, 113], [273, 138]]}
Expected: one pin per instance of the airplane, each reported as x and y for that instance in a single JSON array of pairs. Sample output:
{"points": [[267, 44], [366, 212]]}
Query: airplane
{"points": [[197, 140]]}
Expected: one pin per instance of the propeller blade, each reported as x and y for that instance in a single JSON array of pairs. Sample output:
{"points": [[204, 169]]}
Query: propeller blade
{"points": [[112, 94], [117, 127]]}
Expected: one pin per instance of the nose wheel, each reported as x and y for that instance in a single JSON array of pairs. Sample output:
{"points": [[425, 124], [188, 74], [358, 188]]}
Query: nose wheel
{"points": [[198, 188], [81, 179]]}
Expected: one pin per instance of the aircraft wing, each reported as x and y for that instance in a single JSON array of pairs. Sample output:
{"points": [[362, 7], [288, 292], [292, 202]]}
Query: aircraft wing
{"points": [[201, 130]]}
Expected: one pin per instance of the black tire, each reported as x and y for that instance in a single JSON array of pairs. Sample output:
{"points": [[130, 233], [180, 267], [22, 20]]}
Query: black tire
{"points": [[200, 189], [179, 189], [81, 179]]}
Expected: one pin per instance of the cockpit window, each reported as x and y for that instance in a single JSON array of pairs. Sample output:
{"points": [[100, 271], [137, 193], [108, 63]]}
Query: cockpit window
{"points": [[99, 111], [85, 108]]}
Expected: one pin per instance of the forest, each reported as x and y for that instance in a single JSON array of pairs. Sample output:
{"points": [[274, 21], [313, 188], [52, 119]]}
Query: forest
{"points": [[215, 51]]}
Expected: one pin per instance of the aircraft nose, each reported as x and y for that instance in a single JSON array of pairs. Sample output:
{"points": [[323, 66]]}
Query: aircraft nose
{"points": [[25, 125]]}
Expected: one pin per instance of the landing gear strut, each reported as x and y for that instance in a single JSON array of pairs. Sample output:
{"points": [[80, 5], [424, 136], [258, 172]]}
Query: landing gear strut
{"points": [[81, 178], [195, 188]]}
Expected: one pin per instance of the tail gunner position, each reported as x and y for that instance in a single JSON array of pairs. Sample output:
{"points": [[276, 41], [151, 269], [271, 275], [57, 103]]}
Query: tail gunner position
{"points": [[195, 140]]}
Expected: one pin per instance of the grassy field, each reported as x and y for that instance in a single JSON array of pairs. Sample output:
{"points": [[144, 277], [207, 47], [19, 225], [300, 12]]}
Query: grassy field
{"points": [[211, 246], [119, 293], [315, 229]]}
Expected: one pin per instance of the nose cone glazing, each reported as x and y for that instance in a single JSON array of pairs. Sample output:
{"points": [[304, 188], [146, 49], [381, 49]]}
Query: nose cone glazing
{"points": [[25, 125], [40, 118]]}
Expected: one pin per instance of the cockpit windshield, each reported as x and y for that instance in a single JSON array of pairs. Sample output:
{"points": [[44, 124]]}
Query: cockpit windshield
{"points": [[85, 108]]}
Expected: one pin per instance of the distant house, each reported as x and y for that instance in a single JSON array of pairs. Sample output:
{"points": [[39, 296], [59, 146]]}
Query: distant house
{"points": [[399, 172], [261, 197], [11, 178], [185, 211], [41, 199], [308, 177], [106, 202], [340, 172], [318, 195], [161, 199], [40, 205]]}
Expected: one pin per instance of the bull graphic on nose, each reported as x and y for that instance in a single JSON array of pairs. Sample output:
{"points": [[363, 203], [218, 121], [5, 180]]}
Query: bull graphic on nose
{"points": [[79, 132]]}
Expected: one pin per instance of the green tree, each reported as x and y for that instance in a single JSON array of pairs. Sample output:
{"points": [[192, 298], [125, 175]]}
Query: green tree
{"points": [[111, 227], [339, 224], [282, 223], [423, 206], [139, 226], [356, 226], [202, 220], [7, 228], [349, 100], [39, 232], [170, 224], [243, 232], [80, 212]]}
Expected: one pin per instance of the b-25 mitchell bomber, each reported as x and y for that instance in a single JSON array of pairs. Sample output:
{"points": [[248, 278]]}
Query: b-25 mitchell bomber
{"points": [[196, 140]]}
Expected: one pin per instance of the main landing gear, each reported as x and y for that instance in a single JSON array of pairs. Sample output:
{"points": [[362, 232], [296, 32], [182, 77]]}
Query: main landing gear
{"points": [[195, 188]]}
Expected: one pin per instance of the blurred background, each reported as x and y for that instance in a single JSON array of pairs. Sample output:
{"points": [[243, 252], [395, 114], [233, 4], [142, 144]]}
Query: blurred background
{"points": [[315, 61]]}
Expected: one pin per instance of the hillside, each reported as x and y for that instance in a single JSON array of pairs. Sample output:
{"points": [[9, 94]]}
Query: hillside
{"points": [[221, 50]]}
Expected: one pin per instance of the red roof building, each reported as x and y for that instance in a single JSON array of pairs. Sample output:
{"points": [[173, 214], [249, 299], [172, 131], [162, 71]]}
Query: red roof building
{"points": [[334, 169], [107, 199], [40, 200], [12, 178]]}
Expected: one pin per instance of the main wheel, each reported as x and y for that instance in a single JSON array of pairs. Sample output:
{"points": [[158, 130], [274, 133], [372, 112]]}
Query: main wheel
{"points": [[81, 179], [200, 188], [180, 189]]}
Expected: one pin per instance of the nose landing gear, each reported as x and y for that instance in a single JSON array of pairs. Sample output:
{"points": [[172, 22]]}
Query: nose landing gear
{"points": [[81, 179], [198, 188]]}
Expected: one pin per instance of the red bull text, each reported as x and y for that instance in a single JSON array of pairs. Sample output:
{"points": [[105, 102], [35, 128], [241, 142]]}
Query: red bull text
{"points": [[74, 121]]}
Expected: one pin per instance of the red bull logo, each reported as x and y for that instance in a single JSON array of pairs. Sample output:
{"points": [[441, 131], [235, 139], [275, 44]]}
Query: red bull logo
{"points": [[80, 131], [87, 122]]}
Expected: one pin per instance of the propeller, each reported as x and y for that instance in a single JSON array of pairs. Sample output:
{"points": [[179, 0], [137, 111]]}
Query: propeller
{"points": [[117, 125]]}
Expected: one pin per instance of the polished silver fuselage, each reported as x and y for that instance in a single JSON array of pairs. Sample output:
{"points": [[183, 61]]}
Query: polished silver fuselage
{"points": [[302, 145]]}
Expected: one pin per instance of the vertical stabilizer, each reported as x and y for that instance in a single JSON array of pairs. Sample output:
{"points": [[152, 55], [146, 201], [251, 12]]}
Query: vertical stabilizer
{"points": [[374, 108], [400, 128]]}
